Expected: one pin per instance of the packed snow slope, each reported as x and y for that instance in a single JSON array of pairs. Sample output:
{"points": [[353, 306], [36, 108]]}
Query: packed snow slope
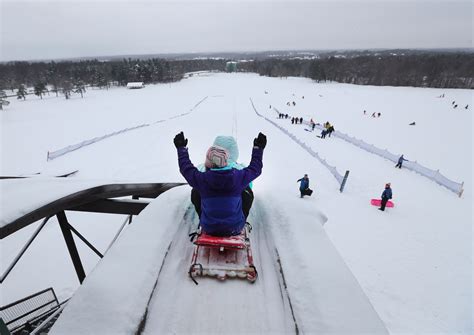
{"points": [[414, 262]]}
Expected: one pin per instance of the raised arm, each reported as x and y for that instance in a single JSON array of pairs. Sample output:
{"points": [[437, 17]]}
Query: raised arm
{"points": [[186, 167], [255, 167]]}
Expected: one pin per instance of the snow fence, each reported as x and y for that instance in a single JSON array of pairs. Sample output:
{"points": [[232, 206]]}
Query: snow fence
{"points": [[433, 175], [332, 169], [55, 154]]}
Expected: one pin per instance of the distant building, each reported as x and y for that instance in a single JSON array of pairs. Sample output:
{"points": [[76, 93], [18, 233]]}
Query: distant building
{"points": [[231, 66], [137, 84]]}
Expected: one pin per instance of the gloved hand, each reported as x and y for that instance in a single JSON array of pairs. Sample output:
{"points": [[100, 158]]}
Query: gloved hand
{"points": [[180, 141], [260, 141]]}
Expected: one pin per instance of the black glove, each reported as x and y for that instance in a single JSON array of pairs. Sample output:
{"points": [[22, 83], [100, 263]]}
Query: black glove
{"points": [[180, 141], [260, 141]]}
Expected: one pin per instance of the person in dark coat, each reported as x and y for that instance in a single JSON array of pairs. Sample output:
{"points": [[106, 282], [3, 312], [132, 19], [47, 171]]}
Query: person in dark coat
{"points": [[324, 133], [400, 162], [286, 116], [313, 125], [386, 196], [330, 130], [220, 187], [304, 185], [292, 120], [301, 120]]}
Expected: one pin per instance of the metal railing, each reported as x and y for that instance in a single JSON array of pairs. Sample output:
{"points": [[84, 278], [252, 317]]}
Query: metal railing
{"points": [[18, 314]]}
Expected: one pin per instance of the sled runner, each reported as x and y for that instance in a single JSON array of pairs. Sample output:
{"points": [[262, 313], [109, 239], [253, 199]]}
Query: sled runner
{"points": [[223, 257], [378, 202]]}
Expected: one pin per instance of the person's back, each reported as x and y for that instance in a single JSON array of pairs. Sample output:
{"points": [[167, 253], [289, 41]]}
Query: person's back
{"points": [[387, 192], [220, 187]]}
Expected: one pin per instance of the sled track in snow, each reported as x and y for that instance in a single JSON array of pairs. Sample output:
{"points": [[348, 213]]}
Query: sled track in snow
{"points": [[175, 303]]}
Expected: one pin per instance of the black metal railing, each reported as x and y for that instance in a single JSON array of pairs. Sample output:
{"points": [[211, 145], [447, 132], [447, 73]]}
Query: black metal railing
{"points": [[28, 310]]}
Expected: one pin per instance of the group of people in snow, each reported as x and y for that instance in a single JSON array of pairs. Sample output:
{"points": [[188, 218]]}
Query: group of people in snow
{"points": [[295, 120], [374, 115], [327, 130]]}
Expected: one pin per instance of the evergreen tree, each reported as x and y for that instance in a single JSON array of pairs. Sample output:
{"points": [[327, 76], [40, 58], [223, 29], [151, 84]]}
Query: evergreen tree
{"points": [[40, 88], [21, 92], [66, 89], [3, 101], [79, 87]]}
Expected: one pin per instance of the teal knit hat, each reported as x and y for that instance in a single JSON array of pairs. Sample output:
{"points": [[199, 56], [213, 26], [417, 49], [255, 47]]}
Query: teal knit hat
{"points": [[229, 143]]}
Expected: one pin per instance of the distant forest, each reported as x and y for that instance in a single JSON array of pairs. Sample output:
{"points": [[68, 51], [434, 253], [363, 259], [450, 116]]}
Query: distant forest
{"points": [[430, 69]]}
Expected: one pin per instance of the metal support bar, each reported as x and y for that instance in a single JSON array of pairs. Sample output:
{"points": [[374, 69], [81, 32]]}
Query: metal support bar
{"points": [[344, 180], [85, 241], [128, 219], [22, 251], [71, 245], [112, 206]]}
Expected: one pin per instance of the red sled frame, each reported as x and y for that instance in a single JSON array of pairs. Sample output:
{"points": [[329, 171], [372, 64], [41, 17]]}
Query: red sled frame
{"points": [[231, 257]]}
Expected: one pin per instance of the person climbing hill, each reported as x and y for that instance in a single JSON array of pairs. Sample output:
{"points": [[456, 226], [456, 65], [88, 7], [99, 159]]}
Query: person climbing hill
{"points": [[400, 162], [304, 186], [386, 196]]}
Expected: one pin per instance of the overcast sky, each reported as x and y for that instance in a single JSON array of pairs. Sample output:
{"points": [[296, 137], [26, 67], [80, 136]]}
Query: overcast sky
{"points": [[61, 29]]}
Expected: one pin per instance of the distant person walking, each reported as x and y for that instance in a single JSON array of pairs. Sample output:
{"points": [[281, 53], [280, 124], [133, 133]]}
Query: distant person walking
{"points": [[400, 162], [324, 133], [301, 120], [330, 130], [386, 196]]}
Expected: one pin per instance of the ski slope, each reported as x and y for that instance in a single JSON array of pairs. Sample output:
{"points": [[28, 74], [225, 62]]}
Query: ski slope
{"points": [[413, 263]]}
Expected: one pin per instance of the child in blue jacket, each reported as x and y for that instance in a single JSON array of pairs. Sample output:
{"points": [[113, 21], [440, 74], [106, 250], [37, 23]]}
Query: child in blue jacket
{"points": [[386, 196], [220, 187], [230, 144]]}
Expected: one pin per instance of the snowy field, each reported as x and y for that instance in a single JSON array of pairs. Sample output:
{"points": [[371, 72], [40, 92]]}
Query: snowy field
{"points": [[413, 262]]}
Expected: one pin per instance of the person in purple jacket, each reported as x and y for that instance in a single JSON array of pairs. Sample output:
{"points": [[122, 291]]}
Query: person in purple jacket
{"points": [[220, 187]]}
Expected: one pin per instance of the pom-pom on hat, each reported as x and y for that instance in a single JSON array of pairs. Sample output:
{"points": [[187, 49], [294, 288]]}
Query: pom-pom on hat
{"points": [[216, 157]]}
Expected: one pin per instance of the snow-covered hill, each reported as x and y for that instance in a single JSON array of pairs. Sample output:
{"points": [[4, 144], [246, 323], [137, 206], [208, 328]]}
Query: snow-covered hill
{"points": [[413, 262]]}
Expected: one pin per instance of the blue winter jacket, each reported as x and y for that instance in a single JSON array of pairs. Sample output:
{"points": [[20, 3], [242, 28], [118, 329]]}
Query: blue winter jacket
{"points": [[304, 184], [387, 193], [221, 192]]}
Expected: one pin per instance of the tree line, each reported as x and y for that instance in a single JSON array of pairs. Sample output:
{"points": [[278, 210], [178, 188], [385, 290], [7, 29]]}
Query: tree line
{"points": [[449, 70], [68, 77], [418, 69]]}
